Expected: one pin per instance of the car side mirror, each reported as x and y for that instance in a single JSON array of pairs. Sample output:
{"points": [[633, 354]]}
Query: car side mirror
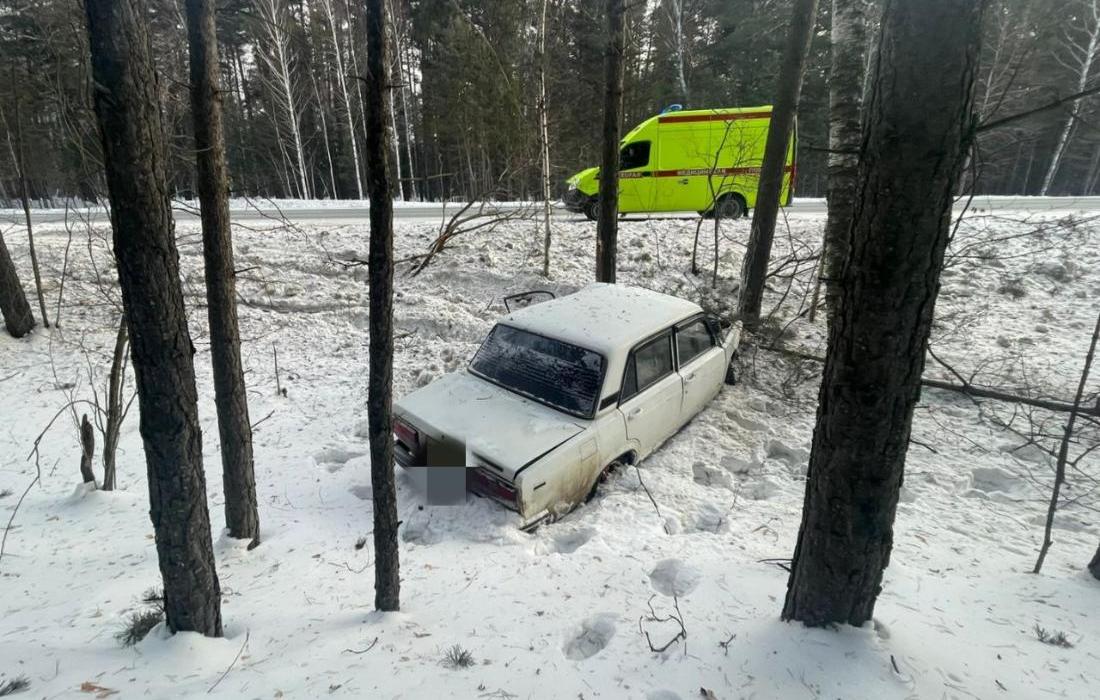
{"points": [[522, 300]]}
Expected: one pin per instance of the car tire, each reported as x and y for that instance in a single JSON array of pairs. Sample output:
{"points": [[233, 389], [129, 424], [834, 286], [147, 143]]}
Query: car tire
{"points": [[601, 479], [729, 206], [731, 371], [592, 209]]}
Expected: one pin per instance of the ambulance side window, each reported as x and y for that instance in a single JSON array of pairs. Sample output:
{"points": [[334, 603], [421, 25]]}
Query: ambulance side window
{"points": [[634, 155]]}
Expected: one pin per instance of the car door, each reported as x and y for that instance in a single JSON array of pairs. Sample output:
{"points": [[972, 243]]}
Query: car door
{"points": [[651, 393], [637, 187], [701, 364]]}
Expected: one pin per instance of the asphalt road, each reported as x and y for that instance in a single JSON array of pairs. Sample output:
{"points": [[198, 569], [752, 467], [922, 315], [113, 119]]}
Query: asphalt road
{"points": [[353, 214]]}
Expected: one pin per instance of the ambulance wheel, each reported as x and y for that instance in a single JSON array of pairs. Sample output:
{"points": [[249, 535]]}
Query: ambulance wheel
{"points": [[729, 206], [592, 209]]}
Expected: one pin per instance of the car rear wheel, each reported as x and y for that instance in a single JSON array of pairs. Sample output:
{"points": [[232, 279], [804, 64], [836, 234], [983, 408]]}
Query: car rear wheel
{"points": [[602, 478], [592, 209], [729, 206]]}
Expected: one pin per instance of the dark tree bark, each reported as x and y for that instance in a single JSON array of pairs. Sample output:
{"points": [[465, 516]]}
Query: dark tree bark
{"points": [[234, 428], [607, 228], [116, 410], [754, 269], [24, 198], [18, 319], [846, 78], [87, 450], [909, 165], [1063, 449], [1094, 565], [128, 112], [387, 582]]}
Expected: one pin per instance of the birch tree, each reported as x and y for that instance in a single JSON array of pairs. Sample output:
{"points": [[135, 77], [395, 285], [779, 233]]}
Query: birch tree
{"points": [[544, 140], [341, 83], [674, 10], [278, 58], [846, 78], [1077, 53]]}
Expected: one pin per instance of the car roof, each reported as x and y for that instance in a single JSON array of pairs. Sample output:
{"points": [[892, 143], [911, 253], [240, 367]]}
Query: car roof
{"points": [[606, 318]]}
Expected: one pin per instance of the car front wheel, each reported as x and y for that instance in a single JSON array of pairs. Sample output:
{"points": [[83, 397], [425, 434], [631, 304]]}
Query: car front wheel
{"points": [[592, 209], [602, 478], [731, 371]]}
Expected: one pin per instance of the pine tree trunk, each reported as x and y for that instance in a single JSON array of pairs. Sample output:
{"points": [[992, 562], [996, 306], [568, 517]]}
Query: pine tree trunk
{"points": [[234, 428], [127, 108], [849, 38], [909, 166], [18, 318], [607, 228], [754, 269], [387, 583]]}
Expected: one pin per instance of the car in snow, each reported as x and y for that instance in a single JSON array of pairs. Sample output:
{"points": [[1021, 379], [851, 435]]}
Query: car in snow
{"points": [[561, 392]]}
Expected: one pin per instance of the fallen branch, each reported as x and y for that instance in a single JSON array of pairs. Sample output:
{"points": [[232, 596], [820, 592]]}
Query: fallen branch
{"points": [[676, 617], [651, 499], [965, 387], [7, 528]]}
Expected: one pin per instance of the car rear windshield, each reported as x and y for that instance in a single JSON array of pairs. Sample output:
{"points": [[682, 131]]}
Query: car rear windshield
{"points": [[558, 374]]}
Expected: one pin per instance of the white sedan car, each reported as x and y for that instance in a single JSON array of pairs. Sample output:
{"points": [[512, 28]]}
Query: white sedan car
{"points": [[562, 391]]}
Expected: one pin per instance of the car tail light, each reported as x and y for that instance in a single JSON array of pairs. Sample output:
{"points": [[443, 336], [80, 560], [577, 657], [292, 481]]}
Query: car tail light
{"points": [[484, 483], [407, 434]]}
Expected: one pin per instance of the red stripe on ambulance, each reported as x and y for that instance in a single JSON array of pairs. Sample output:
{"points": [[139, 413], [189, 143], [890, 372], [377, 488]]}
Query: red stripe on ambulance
{"points": [[676, 118]]}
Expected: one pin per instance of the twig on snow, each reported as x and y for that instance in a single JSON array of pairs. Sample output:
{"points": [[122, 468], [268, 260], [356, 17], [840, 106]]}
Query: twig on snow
{"points": [[651, 499], [231, 665], [363, 651], [7, 528]]}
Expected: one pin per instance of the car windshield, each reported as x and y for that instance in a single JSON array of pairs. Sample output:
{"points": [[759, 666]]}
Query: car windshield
{"points": [[558, 374]]}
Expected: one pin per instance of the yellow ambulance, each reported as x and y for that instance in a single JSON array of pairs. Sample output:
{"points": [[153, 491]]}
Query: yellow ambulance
{"points": [[703, 160]]}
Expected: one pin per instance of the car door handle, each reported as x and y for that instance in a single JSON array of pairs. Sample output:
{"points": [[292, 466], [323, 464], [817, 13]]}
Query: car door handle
{"points": [[683, 181], [635, 412], [690, 378]]}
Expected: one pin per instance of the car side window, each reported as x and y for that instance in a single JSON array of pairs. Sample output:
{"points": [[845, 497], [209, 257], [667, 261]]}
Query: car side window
{"points": [[693, 340], [647, 365], [634, 155]]}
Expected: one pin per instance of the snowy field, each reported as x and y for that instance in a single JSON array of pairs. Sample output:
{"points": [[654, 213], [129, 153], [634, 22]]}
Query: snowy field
{"points": [[562, 612]]}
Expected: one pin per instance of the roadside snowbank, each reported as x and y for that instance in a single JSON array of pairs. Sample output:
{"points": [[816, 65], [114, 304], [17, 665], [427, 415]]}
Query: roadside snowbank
{"points": [[562, 612]]}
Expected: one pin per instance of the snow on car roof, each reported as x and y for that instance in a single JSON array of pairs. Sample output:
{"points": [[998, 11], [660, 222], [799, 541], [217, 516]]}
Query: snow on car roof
{"points": [[603, 317]]}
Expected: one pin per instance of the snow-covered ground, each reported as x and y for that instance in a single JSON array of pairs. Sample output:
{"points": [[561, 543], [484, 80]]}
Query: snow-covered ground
{"points": [[562, 612]]}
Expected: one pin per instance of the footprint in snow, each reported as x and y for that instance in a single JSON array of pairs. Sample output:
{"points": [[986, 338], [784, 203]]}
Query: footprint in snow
{"points": [[707, 475], [334, 458], [673, 577], [569, 542], [593, 635]]}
